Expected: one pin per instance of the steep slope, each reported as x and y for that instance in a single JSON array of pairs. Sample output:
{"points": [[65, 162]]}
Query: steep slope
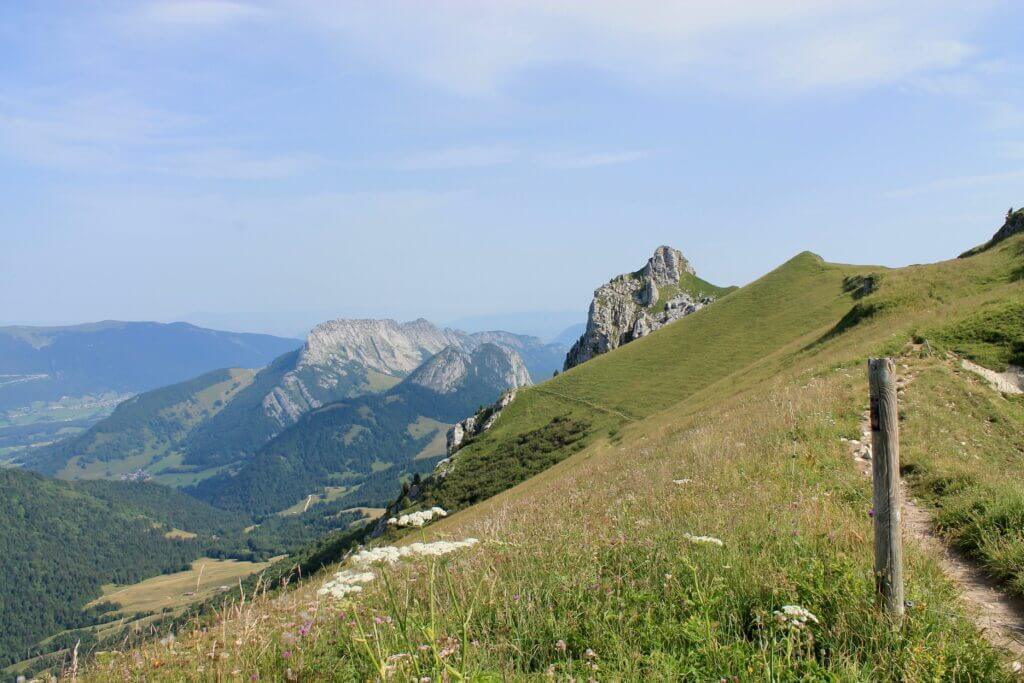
{"points": [[184, 433], [1013, 225], [541, 359], [712, 525], [46, 363], [633, 305], [362, 446], [61, 542], [139, 439], [652, 373]]}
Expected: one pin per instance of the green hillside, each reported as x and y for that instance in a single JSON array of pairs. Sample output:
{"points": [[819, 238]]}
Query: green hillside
{"points": [[690, 485], [779, 313], [357, 445], [62, 542], [144, 432]]}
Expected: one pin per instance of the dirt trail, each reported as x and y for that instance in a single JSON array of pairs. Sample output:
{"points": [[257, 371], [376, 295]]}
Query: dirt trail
{"points": [[999, 616]]}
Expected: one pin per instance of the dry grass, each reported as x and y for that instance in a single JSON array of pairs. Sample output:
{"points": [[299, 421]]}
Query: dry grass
{"points": [[592, 557], [205, 578]]}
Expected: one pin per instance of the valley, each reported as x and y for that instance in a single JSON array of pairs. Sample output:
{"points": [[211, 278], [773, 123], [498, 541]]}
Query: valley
{"points": [[312, 445]]}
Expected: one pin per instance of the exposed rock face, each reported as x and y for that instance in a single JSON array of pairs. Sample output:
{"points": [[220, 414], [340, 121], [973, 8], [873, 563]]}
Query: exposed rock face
{"points": [[382, 345], [627, 307], [477, 424], [487, 365], [339, 356], [1013, 224]]}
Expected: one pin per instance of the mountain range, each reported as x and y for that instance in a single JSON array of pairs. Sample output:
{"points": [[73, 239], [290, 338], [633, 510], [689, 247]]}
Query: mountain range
{"points": [[186, 432], [47, 363]]}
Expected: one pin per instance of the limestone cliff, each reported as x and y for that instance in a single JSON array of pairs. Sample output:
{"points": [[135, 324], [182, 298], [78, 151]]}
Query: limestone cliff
{"points": [[344, 358], [487, 365], [633, 305]]}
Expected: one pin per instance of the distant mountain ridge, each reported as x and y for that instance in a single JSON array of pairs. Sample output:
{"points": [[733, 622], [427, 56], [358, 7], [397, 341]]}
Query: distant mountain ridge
{"points": [[231, 421], [46, 363], [353, 443]]}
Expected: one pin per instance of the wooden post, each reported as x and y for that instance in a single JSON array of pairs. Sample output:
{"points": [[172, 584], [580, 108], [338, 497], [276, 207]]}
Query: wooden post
{"points": [[885, 465]]}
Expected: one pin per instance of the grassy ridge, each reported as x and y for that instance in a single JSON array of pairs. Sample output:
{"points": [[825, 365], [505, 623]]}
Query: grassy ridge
{"points": [[800, 299], [586, 571]]}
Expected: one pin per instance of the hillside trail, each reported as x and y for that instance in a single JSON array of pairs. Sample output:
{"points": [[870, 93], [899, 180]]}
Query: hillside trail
{"points": [[583, 401], [998, 615]]}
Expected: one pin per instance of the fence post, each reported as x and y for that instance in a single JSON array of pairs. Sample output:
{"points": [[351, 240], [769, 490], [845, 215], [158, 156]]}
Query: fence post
{"points": [[885, 465]]}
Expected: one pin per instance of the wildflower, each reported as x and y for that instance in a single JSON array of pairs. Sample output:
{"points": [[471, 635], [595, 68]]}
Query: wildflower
{"points": [[871, 512], [419, 518], [306, 628], [449, 646], [795, 616], [561, 646], [703, 539], [286, 654], [681, 482], [589, 654]]}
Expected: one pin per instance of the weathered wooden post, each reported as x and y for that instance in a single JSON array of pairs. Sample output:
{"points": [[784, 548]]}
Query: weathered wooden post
{"points": [[885, 466]]}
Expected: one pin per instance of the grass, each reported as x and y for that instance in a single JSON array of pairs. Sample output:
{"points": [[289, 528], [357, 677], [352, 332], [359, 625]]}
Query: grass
{"points": [[588, 570], [962, 446], [593, 554], [331, 493], [172, 591], [992, 336]]}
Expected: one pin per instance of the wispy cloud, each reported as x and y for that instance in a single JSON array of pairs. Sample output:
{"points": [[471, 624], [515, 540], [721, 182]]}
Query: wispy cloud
{"points": [[233, 164], [113, 133], [194, 13], [782, 46], [461, 157], [504, 155], [595, 159]]}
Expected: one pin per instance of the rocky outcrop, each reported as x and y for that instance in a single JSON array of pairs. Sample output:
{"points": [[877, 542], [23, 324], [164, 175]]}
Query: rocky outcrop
{"points": [[340, 357], [385, 346], [488, 365], [1013, 224], [476, 424], [633, 305], [444, 372]]}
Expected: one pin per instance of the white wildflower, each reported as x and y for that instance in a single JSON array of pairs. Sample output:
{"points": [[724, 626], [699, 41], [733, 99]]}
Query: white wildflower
{"points": [[680, 482], [703, 539], [349, 581], [795, 616], [345, 582], [419, 518]]}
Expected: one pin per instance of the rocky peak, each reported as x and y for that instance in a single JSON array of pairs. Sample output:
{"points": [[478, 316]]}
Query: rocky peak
{"points": [[633, 305], [666, 267], [383, 345], [487, 365], [443, 372]]}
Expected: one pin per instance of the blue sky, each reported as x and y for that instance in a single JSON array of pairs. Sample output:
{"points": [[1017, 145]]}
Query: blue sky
{"points": [[269, 163]]}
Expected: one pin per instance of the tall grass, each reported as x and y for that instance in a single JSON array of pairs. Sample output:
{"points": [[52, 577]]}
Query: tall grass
{"points": [[962, 452], [586, 572]]}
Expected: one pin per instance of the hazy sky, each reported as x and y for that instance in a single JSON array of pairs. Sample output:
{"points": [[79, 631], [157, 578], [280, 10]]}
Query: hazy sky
{"points": [[450, 159]]}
